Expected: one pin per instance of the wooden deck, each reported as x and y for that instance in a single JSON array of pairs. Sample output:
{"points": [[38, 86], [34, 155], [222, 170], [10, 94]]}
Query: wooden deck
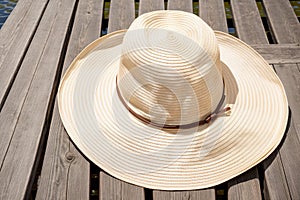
{"points": [[37, 44]]}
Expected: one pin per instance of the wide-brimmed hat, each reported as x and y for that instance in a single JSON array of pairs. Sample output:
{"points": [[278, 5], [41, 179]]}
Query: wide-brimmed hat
{"points": [[170, 104]]}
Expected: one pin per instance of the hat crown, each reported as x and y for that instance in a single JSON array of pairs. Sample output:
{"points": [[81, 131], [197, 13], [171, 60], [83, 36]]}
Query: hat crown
{"points": [[170, 71]]}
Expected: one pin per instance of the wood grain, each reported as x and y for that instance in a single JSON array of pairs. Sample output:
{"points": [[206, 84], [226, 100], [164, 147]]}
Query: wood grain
{"points": [[186, 5], [283, 21], [279, 53], [15, 37], [65, 172], [248, 22], [27, 108], [213, 13], [290, 76], [285, 28], [245, 186], [112, 188], [282, 173], [207, 194], [274, 187], [289, 153], [121, 14], [150, 5]]}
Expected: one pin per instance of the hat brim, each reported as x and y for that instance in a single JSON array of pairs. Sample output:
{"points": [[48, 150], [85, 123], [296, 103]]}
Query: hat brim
{"points": [[105, 131]]}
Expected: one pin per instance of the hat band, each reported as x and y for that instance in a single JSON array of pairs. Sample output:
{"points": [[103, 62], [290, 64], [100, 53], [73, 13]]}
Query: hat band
{"points": [[217, 112]]}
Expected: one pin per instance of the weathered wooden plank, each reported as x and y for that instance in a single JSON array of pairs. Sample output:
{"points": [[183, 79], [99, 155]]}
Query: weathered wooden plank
{"points": [[275, 185], [290, 163], [290, 76], [186, 5], [120, 17], [287, 161], [291, 34], [290, 156], [65, 172], [277, 53], [15, 36], [112, 188], [284, 23], [248, 22], [285, 28], [150, 5], [27, 110], [121, 14], [213, 13], [245, 186], [208, 194]]}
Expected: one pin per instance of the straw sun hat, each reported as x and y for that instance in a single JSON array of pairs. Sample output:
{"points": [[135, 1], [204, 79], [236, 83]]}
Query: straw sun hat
{"points": [[170, 104]]}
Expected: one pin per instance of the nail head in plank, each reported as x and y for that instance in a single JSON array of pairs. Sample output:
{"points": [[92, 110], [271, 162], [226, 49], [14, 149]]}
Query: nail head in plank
{"points": [[150, 5], [63, 163], [65, 173], [15, 36], [186, 5], [213, 13], [248, 22], [16, 171], [284, 23], [121, 14]]}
